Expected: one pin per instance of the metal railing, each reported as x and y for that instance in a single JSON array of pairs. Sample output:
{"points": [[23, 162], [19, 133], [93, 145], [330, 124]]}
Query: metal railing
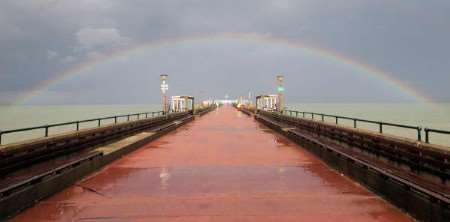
{"points": [[380, 124], [428, 131], [46, 128]]}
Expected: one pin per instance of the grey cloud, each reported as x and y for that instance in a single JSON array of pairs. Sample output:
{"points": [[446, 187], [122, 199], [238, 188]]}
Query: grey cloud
{"points": [[409, 38], [89, 38], [51, 54]]}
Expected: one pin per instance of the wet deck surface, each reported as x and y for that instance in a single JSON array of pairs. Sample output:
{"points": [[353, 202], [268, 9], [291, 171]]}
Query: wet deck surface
{"points": [[222, 167]]}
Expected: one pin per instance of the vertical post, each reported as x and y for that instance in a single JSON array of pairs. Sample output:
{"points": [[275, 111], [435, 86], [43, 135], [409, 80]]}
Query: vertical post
{"points": [[312, 115], [128, 118], [78, 125], [427, 137], [419, 133], [323, 118], [193, 106], [99, 122], [256, 104], [354, 123], [303, 114], [115, 119], [337, 119], [296, 114], [46, 131], [280, 89], [1, 134], [381, 127]]}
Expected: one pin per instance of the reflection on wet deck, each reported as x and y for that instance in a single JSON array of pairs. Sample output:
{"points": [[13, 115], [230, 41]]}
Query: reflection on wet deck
{"points": [[222, 167]]}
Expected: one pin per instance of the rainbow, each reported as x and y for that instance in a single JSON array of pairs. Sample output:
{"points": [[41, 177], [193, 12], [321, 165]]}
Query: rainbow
{"points": [[330, 55]]}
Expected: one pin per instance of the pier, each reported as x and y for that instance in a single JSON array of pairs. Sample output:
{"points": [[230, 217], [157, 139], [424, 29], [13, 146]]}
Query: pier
{"points": [[224, 166]]}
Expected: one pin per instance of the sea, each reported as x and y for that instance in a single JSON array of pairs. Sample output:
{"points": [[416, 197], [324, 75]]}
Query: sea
{"points": [[436, 116]]}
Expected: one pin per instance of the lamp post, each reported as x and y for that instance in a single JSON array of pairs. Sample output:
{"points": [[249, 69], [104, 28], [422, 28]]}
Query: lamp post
{"points": [[164, 88], [280, 89]]}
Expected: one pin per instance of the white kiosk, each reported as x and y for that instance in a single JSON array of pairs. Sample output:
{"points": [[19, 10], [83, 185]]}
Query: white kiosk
{"points": [[182, 103], [267, 102]]}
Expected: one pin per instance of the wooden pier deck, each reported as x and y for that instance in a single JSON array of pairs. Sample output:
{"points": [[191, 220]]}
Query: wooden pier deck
{"points": [[223, 166]]}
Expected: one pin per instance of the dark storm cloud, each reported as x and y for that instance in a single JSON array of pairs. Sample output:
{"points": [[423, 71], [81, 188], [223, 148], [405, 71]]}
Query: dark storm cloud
{"points": [[409, 38]]}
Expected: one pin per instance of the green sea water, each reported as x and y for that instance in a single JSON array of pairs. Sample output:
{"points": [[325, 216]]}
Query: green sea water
{"points": [[436, 116]]}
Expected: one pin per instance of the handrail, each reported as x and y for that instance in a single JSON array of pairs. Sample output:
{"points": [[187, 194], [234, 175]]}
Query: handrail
{"points": [[356, 120], [428, 131], [77, 123]]}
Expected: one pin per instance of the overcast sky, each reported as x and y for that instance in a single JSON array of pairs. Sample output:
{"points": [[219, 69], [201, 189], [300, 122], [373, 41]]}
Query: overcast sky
{"points": [[39, 39]]}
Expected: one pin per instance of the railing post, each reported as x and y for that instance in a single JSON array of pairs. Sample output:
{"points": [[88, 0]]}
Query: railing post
{"points": [[427, 138], [354, 123], [128, 118], [312, 115], [99, 122], [1, 134], [419, 133], [337, 120], [146, 115], [46, 131], [296, 114], [381, 127], [115, 119], [323, 118], [303, 114], [78, 126]]}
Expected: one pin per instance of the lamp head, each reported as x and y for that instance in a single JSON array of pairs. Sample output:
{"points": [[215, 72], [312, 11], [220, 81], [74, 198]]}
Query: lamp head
{"points": [[280, 78]]}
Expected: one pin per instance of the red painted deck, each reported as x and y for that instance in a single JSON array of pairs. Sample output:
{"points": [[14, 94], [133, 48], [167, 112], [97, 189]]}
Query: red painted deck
{"points": [[222, 167]]}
